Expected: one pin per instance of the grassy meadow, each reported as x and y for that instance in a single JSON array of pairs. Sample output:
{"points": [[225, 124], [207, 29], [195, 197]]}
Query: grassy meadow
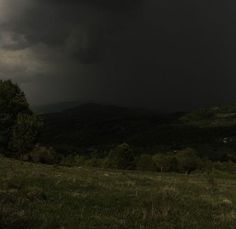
{"points": [[47, 196]]}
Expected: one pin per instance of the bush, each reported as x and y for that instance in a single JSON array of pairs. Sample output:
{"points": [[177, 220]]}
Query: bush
{"points": [[229, 157], [121, 157], [165, 162], [225, 166], [94, 162], [74, 160], [42, 154], [145, 162], [187, 160]]}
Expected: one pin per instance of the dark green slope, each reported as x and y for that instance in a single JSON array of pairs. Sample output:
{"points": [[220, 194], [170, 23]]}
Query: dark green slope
{"points": [[100, 126]]}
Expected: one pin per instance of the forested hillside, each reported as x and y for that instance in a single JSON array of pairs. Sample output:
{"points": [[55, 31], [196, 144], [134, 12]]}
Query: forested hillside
{"points": [[93, 126]]}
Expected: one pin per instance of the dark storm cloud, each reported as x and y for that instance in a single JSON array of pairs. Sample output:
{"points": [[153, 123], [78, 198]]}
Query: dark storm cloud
{"points": [[162, 54], [81, 26], [115, 5]]}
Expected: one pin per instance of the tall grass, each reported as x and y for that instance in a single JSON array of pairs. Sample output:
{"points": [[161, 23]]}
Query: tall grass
{"points": [[44, 196]]}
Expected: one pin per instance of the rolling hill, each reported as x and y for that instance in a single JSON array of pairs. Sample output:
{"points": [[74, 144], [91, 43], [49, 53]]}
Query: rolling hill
{"points": [[93, 126]]}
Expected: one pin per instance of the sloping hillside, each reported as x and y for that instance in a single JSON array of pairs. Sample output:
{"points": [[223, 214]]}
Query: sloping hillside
{"points": [[93, 126], [212, 117], [98, 125], [39, 196]]}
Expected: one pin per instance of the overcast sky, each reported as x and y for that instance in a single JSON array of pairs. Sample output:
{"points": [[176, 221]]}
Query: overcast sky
{"points": [[163, 54]]}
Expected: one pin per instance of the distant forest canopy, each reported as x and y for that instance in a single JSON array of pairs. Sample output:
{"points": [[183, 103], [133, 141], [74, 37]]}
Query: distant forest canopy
{"points": [[212, 131]]}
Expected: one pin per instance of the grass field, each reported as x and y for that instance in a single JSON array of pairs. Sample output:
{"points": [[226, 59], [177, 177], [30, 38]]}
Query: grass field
{"points": [[40, 196]]}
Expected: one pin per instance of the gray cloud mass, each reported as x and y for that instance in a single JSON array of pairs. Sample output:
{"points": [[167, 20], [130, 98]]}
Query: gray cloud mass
{"points": [[167, 54]]}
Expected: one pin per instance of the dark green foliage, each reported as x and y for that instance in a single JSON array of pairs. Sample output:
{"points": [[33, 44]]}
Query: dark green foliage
{"points": [[42, 154], [24, 133], [97, 125], [165, 162], [224, 166], [200, 115], [229, 157], [101, 127], [146, 163], [18, 125], [12, 102], [74, 160], [187, 160], [183, 161], [121, 157]]}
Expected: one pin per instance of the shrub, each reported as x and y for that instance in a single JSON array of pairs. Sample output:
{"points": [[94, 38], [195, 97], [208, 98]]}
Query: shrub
{"points": [[94, 162], [80, 160], [165, 162], [229, 157], [42, 154], [187, 160], [121, 157], [228, 166], [145, 162]]}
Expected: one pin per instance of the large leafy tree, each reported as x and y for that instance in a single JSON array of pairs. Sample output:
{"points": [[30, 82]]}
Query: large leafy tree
{"points": [[18, 125]]}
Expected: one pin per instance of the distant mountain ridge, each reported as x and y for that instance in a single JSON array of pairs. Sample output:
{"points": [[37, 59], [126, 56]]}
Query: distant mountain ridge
{"points": [[55, 107]]}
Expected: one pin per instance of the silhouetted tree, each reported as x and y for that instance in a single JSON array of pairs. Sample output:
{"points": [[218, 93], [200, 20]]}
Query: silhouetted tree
{"points": [[18, 125]]}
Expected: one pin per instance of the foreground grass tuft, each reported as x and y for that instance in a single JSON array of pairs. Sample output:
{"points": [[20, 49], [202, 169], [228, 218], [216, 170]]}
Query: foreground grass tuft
{"points": [[40, 196]]}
